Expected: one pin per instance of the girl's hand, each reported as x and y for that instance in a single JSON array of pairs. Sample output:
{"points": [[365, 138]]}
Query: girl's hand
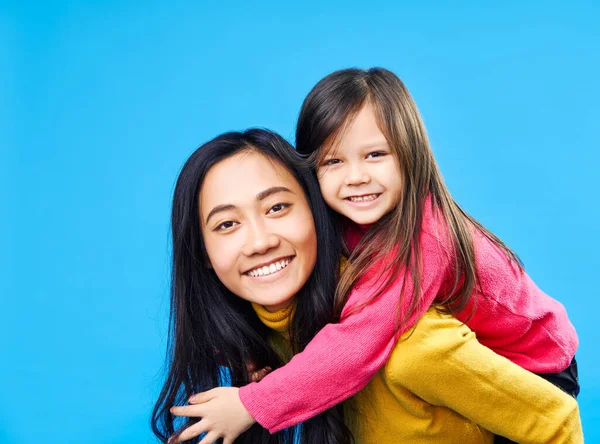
{"points": [[257, 375], [223, 416]]}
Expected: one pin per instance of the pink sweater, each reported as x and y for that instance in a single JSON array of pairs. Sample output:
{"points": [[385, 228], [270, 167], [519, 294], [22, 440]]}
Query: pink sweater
{"points": [[513, 317]]}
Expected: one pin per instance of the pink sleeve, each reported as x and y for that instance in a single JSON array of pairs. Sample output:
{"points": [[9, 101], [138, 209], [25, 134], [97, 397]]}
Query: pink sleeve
{"points": [[342, 358]]}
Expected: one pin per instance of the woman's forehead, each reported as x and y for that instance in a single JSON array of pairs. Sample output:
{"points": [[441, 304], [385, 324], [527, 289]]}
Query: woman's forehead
{"points": [[243, 176]]}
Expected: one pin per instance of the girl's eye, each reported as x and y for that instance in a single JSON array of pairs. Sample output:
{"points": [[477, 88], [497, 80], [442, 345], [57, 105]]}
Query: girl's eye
{"points": [[278, 208], [331, 162], [375, 154], [226, 225]]}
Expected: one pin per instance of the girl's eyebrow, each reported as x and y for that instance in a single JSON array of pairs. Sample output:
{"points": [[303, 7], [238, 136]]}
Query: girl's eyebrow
{"points": [[374, 144], [371, 144], [260, 196]]}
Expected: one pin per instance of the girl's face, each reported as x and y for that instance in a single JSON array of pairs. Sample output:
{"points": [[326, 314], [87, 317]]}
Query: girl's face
{"points": [[360, 178], [258, 229]]}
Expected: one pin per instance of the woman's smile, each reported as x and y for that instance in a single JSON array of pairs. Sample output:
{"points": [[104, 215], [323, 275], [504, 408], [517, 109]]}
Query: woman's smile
{"points": [[270, 269]]}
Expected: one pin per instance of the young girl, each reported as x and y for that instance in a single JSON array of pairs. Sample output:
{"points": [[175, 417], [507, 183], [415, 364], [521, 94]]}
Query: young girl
{"points": [[410, 245]]}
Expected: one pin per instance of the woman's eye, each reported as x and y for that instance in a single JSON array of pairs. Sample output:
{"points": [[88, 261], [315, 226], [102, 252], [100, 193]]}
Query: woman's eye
{"points": [[375, 154], [278, 208], [331, 162], [226, 225]]}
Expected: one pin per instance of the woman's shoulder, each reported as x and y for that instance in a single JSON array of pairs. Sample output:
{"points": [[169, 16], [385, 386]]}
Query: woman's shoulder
{"points": [[434, 337], [433, 328]]}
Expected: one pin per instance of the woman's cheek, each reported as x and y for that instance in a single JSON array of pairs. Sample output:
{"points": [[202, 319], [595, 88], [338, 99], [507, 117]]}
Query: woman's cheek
{"points": [[309, 241], [220, 257]]}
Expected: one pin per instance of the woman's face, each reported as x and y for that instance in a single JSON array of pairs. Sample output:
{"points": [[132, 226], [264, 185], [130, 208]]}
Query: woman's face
{"points": [[258, 229]]}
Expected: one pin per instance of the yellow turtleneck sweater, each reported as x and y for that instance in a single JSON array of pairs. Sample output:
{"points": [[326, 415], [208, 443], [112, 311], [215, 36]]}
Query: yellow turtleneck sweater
{"points": [[441, 386]]}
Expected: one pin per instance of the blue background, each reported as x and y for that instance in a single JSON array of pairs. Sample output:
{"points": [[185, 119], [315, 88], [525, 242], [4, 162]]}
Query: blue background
{"points": [[103, 101]]}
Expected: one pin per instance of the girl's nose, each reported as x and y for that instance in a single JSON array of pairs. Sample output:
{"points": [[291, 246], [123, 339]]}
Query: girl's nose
{"points": [[357, 176]]}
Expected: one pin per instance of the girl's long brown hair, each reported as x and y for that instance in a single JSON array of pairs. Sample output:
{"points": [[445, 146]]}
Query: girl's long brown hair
{"points": [[325, 113]]}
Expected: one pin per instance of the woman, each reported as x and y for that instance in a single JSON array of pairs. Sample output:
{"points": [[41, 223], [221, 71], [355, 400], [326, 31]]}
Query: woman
{"points": [[212, 323], [245, 243]]}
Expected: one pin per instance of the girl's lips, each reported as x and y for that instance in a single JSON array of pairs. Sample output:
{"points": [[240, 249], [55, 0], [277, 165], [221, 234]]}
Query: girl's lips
{"points": [[360, 202]]}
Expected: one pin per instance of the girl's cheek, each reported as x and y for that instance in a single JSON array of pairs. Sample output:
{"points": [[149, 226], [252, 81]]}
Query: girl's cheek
{"points": [[327, 183]]}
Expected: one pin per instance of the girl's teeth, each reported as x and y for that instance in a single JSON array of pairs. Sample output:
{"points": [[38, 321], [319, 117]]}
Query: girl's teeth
{"points": [[368, 198], [265, 270], [272, 268], [278, 266]]}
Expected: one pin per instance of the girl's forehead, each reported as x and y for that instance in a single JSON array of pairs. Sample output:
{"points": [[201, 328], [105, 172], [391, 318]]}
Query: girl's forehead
{"points": [[360, 131]]}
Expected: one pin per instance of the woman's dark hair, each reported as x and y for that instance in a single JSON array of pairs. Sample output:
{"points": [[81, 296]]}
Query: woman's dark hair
{"points": [[211, 328]]}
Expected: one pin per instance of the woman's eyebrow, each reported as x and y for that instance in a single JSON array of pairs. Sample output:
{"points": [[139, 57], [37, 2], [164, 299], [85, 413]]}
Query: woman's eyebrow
{"points": [[273, 190], [260, 196], [219, 209]]}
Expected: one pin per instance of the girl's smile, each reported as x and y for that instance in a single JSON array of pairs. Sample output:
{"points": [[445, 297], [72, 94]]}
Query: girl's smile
{"points": [[363, 201]]}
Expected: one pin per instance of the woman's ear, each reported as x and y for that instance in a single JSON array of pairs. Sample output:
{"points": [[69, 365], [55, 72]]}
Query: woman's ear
{"points": [[205, 259]]}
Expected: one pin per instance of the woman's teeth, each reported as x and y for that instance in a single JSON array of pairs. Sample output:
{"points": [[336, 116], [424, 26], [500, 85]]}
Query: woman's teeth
{"points": [[270, 269], [366, 198]]}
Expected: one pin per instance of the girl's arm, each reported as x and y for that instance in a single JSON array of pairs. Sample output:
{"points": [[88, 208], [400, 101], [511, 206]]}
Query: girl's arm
{"points": [[342, 358], [449, 367]]}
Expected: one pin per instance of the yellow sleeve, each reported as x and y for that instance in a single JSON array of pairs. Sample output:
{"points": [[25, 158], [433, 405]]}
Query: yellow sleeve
{"points": [[443, 363]]}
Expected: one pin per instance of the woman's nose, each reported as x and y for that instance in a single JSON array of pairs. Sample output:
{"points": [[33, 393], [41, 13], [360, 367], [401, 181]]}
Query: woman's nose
{"points": [[260, 240]]}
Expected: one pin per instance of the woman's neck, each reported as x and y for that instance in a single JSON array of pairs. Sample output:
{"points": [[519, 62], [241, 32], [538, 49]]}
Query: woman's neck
{"points": [[278, 320]]}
